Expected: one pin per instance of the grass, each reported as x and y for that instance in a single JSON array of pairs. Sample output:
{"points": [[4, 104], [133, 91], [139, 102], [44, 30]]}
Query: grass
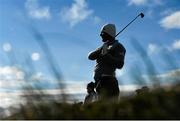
{"points": [[156, 104]]}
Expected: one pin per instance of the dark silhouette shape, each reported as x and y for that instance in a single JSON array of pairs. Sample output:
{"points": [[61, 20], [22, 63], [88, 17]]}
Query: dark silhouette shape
{"points": [[109, 57], [143, 90], [91, 96]]}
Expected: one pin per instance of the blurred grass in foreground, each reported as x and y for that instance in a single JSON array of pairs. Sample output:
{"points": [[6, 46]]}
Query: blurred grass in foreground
{"points": [[156, 104]]}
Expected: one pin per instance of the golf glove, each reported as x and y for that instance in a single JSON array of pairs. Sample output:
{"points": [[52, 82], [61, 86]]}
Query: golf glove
{"points": [[104, 49]]}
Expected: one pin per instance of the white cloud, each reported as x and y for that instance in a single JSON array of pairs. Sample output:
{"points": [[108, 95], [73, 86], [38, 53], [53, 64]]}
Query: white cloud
{"points": [[169, 77], [172, 21], [37, 12], [149, 3], [137, 2], [8, 99], [129, 87], [78, 12], [35, 56], [11, 73], [152, 48], [7, 47], [176, 45], [11, 77]]}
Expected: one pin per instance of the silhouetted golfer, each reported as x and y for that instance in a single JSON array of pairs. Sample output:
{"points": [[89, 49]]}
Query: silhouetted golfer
{"points": [[109, 57]]}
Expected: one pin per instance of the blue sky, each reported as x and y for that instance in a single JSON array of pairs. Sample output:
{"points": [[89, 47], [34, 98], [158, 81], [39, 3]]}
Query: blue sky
{"points": [[71, 29]]}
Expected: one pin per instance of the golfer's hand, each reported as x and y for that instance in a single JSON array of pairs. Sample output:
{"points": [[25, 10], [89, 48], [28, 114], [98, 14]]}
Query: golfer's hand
{"points": [[104, 49]]}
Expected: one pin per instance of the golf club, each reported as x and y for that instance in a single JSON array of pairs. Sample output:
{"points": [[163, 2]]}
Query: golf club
{"points": [[141, 14]]}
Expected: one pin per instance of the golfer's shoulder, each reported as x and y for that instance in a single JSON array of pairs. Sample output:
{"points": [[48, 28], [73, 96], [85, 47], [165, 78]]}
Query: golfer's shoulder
{"points": [[120, 46]]}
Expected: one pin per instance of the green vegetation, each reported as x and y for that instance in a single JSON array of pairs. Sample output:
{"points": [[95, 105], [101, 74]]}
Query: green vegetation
{"points": [[156, 104]]}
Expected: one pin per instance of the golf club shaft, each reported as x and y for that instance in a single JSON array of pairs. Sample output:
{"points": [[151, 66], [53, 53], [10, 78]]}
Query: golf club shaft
{"points": [[127, 25]]}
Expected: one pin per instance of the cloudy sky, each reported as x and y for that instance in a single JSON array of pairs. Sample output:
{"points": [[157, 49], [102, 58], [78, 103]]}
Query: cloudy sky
{"points": [[71, 30]]}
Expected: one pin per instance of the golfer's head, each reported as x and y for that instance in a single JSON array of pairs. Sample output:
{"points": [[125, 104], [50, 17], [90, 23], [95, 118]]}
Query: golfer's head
{"points": [[108, 32]]}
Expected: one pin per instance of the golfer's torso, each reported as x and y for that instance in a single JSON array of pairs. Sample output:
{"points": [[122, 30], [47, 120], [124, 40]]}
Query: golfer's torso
{"points": [[103, 67]]}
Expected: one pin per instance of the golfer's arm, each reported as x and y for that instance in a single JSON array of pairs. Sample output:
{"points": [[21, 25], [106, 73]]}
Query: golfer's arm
{"points": [[95, 54], [117, 60]]}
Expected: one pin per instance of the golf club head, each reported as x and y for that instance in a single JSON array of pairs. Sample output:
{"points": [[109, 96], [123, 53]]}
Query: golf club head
{"points": [[142, 15]]}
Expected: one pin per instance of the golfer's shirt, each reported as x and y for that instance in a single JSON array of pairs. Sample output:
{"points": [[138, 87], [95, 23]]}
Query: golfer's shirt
{"points": [[113, 58]]}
